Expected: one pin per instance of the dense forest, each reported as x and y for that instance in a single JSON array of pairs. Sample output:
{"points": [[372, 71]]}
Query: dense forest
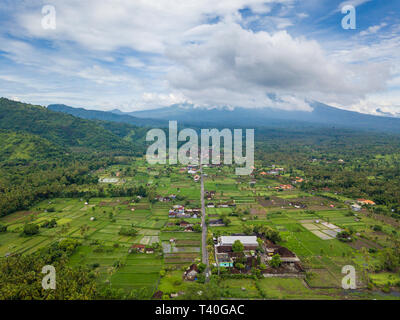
{"points": [[45, 153]]}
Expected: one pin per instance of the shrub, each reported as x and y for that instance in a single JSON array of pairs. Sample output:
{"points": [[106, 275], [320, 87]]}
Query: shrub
{"points": [[49, 224], [275, 262], [30, 229], [125, 231]]}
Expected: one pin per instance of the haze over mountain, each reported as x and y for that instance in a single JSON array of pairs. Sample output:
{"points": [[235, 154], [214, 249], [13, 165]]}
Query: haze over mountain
{"points": [[322, 115]]}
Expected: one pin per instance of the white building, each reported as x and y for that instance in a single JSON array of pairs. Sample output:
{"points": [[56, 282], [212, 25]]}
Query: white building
{"points": [[247, 241]]}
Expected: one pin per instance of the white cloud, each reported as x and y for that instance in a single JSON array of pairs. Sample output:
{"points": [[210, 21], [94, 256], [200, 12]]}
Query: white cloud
{"points": [[238, 67], [373, 29]]}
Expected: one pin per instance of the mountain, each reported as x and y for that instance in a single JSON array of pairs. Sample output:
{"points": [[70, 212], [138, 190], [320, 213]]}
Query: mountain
{"points": [[115, 116], [321, 115], [60, 129]]}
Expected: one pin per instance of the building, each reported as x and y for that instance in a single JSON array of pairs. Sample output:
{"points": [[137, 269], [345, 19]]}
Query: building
{"points": [[138, 248], [191, 273], [365, 201], [225, 243], [149, 250], [216, 223], [225, 257], [356, 207], [285, 254]]}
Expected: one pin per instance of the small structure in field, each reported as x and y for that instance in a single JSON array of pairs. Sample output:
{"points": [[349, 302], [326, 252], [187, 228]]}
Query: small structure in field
{"points": [[191, 273]]}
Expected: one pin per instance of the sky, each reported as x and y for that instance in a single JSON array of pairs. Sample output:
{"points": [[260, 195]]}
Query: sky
{"points": [[145, 54]]}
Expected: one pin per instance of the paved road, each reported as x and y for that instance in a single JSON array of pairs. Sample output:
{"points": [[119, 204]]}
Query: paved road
{"points": [[204, 227]]}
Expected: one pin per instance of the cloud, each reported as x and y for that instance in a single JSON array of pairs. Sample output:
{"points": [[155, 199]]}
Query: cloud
{"points": [[354, 3], [140, 25], [373, 29], [238, 67]]}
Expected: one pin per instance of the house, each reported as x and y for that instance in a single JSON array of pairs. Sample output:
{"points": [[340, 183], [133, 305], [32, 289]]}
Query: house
{"points": [[356, 207], [138, 248], [285, 254], [191, 273], [210, 205], [188, 229], [223, 205], [285, 187], [184, 224], [149, 250], [216, 223], [172, 214], [365, 201], [210, 194], [298, 180], [158, 295]]}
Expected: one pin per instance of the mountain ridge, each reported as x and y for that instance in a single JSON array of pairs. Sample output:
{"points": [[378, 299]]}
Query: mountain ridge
{"points": [[321, 114]]}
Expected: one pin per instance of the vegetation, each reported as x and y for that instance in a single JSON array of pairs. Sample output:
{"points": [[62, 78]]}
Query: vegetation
{"points": [[275, 261], [237, 246]]}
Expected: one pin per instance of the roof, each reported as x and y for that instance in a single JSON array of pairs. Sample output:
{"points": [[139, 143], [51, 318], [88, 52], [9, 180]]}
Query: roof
{"points": [[245, 240], [138, 246]]}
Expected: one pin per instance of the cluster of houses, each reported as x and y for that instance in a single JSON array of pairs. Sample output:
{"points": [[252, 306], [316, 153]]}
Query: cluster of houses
{"points": [[273, 172], [360, 202], [179, 211], [169, 198], [186, 226], [194, 170], [141, 248], [226, 257], [285, 187], [297, 205]]}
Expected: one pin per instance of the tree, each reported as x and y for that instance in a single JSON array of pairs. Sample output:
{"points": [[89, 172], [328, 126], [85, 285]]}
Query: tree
{"points": [[240, 266], [201, 267], [30, 229], [237, 246], [197, 228], [275, 261], [125, 231], [226, 220]]}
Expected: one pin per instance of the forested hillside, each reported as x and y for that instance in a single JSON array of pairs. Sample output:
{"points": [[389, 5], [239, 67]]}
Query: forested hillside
{"points": [[45, 153], [59, 128]]}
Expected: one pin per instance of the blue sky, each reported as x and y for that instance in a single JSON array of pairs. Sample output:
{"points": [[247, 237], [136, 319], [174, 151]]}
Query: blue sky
{"points": [[140, 54]]}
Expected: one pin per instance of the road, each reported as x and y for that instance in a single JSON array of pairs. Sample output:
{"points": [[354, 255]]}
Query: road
{"points": [[204, 228]]}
